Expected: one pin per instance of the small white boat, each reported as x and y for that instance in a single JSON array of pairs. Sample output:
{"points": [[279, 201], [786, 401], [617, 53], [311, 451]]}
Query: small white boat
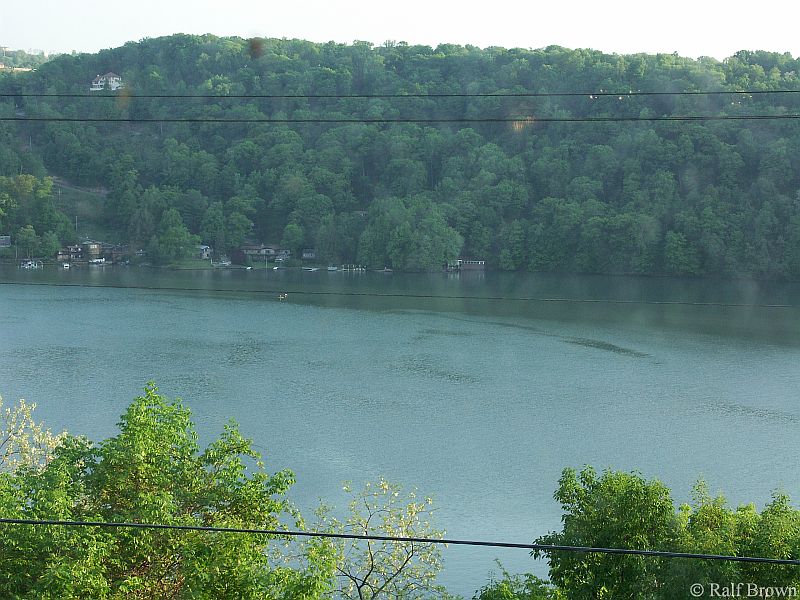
{"points": [[65, 266], [333, 268], [311, 269]]}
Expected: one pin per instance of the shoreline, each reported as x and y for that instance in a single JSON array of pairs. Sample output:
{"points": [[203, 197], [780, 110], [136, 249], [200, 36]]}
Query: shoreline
{"points": [[709, 278]]}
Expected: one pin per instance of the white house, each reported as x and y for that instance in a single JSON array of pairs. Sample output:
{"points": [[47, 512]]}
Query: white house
{"points": [[110, 80]]}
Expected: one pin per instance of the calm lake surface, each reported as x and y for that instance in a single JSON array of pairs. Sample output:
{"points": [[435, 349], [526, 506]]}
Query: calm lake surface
{"points": [[479, 402]]}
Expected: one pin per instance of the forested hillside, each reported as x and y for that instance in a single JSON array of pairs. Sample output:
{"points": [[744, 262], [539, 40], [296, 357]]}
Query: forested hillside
{"points": [[717, 198]]}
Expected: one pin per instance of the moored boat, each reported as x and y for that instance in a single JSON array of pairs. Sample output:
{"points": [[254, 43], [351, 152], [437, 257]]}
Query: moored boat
{"points": [[31, 264]]}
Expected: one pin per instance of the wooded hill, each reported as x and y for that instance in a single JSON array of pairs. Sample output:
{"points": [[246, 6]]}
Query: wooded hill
{"points": [[719, 197]]}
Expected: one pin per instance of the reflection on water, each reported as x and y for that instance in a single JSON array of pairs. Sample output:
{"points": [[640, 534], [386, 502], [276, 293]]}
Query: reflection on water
{"points": [[586, 342], [747, 413], [480, 402], [601, 345]]}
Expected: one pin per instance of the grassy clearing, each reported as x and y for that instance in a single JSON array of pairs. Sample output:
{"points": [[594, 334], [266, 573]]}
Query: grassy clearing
{"points": [[87, 206], [190, 263]]}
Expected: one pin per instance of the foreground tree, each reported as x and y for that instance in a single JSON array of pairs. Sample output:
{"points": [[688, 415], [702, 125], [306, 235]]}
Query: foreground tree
{"points": [[516, 587], [619, 510], [23, 441], [624, 510], [373, 569], [153, 471]]}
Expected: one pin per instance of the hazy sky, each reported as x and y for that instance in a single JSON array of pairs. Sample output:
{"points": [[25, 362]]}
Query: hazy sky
{"points": [[691, 28]]}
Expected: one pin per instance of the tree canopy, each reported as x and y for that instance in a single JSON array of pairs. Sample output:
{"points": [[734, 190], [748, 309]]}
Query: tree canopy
{"points": [[153, 471], [624, 510]]}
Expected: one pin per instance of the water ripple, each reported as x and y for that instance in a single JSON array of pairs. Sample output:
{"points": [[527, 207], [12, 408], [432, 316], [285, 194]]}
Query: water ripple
{"points": [[740, 410], [425, 365]]}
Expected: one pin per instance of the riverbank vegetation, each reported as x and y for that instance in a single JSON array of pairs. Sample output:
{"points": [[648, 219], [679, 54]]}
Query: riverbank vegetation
{"points": [[716, 198], [154, 471]]}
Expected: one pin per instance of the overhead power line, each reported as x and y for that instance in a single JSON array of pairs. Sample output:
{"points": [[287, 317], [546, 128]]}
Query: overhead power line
{"points": [[384, 538], [589, 95], [278, 292], [518, 120]]}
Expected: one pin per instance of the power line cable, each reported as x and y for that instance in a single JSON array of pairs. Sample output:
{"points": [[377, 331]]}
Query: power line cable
{"points": [[590, 95], [527, 120], [384, 538], [542, 299]]}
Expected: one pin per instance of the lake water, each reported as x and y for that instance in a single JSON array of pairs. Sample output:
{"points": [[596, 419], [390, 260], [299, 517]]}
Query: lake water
{"points": [[477, 389]]}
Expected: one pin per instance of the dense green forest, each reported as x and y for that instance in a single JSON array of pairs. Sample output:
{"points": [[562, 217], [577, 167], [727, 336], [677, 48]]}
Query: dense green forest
{"points": [[716, 198], [154, 471]]}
